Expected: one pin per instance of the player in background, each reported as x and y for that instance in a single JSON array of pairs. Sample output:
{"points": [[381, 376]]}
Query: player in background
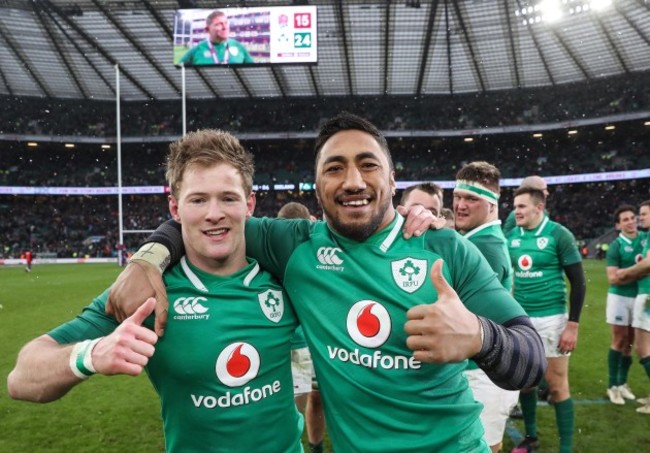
{"points": [[389, 327], [476, 198], [28, 260], [543, 252], [534, 181], [426, 194], [624, 251], [305, 383], [230, 392], [450, 218], [641, 311]]}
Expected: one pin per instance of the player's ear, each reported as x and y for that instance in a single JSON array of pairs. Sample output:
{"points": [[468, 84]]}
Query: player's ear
{"points": [[250, 204], [173, 208]]}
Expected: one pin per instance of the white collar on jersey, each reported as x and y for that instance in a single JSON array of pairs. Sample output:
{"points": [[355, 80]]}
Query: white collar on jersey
{"points": [[625, 238], [198, 284], [482, 227], [539, 228], [397, 228]]}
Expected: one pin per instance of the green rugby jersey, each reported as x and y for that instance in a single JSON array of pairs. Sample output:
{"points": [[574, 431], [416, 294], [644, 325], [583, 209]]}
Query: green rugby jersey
{"points": [[352, 298], [624, 252], [204, 53], [643, 284], [223, 368], [539, 256], [491, 242]]}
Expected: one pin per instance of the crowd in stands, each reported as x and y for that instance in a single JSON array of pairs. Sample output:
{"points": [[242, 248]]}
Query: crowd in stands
{"points": [[77, 226], [600, 97], [71, 226]]}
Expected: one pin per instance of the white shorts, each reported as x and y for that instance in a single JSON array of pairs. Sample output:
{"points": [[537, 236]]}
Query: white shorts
{"points": [[641, 316], [497, 404], [301, 370], [550, 328], [619, 310]]}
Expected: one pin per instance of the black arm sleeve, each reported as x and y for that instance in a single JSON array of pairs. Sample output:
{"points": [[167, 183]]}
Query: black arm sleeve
{"points": [[169, 235], [576, 276], [512, 354]]}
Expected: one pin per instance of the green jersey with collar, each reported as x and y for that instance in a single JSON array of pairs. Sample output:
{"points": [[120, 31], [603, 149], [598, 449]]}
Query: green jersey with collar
{"points": [[208, 53], [643, 284], [491, 242], [222, 369], [355, 295], [624, 252], [539, 256]]}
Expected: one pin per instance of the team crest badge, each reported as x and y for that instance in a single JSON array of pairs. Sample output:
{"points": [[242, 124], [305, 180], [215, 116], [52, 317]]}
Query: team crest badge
{"points": [[409, 273], [542, 243], [272, 304]]}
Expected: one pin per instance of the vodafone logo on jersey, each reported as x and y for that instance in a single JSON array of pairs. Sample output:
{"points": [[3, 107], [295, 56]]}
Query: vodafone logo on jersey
{"points": [[638, 258], [237, 364], [525, 262], [368, 323]]}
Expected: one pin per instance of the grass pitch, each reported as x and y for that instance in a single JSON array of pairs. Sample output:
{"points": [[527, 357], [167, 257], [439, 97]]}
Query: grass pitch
{"points": [[120, 414]]}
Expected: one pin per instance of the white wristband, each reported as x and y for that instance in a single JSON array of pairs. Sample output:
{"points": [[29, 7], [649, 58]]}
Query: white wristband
{"points": [[81, 362]]}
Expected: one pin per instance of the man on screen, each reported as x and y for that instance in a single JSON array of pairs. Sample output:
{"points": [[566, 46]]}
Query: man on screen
{"points": [[217, 47]]}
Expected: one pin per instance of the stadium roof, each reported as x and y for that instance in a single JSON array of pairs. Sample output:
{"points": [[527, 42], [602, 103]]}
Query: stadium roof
{"points": [[69, 49]]}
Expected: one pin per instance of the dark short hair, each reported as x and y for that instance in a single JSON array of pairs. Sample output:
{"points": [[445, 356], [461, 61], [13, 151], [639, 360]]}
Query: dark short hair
{"points": [[621, 210], [536, 195], [346, 121], [481, 172], [427, 187]]}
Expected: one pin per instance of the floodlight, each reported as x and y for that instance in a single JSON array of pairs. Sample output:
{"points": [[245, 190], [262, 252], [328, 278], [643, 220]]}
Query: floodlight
{"points": [[599, 5], [551, 10]]}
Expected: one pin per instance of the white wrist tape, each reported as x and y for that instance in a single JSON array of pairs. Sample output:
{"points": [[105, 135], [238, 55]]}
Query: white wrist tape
{"points": [[154, 253], [81, 360]]}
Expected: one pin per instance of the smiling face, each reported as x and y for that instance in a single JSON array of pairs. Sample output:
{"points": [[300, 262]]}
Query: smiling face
{"points": [[627, 223], [355, 184], [213, 206], [218, 28], [528, 212]]}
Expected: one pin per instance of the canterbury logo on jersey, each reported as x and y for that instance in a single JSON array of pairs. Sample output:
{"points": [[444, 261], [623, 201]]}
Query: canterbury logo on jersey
{"points": [[187, 308], [329, 258], [237, 365], [369, 325]]}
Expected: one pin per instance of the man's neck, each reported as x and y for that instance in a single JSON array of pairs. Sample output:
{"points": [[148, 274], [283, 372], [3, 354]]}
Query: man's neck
{"points": [[630, 236]]}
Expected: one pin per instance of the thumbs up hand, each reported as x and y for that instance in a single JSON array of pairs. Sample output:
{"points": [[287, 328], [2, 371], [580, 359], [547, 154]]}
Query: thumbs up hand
{"points": [[444, 331], [128, 348]]}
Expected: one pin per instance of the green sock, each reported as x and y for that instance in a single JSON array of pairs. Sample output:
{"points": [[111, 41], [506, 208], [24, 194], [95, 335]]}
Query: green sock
{"points": [[626, 363], [529, 410], [614, 359], [645, 362], [564, 415]]}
